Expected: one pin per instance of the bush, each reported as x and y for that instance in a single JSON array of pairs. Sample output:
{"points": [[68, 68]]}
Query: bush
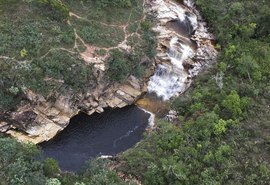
{"points": [[118, 66], [18, 165], [55, 9], [51, 168]]}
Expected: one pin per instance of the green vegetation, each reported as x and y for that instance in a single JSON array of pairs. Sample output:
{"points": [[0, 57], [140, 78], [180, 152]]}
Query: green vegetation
{"points": [[53, 8], [96, 172], [118, 62], [98, 34], [50, 73], [18, 166], [222, 135], [40, 49]]}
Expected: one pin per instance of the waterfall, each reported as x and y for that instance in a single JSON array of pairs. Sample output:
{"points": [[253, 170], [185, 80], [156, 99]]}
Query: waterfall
{"points": [[179, 53], [172, 77], [169, 80]]}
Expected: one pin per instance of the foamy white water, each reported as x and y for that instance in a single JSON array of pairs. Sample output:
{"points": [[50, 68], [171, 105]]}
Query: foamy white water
{"points": [[167, 82], [171, 78], [179, 52]]}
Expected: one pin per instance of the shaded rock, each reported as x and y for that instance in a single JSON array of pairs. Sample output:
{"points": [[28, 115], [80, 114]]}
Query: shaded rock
{"points": [[99, 109], [4, 126]]}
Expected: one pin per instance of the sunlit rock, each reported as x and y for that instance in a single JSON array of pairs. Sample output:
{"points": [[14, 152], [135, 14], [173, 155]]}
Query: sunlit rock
{"points": [[184, 48]]}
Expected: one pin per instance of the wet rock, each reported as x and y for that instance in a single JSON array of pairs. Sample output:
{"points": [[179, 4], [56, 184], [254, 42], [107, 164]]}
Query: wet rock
{"points": [[184, 47]]}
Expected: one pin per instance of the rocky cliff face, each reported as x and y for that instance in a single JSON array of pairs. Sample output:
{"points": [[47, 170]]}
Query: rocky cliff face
{"points": [[41, 120], [184, 47], [38, 118]]}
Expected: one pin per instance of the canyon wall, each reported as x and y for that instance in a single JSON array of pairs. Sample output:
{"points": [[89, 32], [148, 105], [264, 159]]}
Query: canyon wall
{"points": [[184, 49]]}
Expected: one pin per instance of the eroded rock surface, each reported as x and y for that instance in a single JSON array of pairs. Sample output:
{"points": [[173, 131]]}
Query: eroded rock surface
{"points": [[37, 118], [42, 120], [185, 47]]}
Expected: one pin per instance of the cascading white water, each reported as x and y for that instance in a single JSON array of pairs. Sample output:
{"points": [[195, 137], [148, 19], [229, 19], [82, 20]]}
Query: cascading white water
{"points": [[171, 79], [179, 52], [165, 82]]}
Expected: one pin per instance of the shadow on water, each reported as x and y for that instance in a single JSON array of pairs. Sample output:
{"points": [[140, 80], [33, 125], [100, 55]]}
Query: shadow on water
{"points": [[87, 137], [184, 29]]}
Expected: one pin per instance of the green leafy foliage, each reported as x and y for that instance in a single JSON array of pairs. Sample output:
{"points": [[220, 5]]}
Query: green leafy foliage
{"points": [[95, 172], [118, 66], [38, 50], [224, 134], [203, 152], [51, 168], [18, 165], [54, 9]]}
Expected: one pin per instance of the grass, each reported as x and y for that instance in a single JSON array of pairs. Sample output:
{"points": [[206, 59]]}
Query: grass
{"points": [[109, 15], [30, 31], [98, 34], [37, 49]]}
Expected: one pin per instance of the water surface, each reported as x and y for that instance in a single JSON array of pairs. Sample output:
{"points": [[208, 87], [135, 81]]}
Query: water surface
{"points": [[86, 136]]}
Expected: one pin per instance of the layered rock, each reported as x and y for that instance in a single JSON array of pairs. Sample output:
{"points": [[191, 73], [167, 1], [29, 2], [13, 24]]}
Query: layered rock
{"points": [[184, 47], [37, 118], [41, 120]]}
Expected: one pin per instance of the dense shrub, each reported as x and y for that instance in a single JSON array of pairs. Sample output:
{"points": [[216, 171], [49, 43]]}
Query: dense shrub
{"points": [[54, 8], [118, 66], [18, 165]]}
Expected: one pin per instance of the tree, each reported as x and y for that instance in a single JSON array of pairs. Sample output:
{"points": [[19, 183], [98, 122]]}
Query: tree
{"points": [[51, 168], [233, 104], [18, 165], [118, 66]]}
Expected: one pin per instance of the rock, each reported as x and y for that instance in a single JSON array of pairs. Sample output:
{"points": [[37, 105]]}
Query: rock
{"points": [[64, 104], [122, 104], [41, 119], [61, 120], [180, 59], [93, 103], [25, 118], [125, 89], [128, 99], [114, 102], [102, 103], [90, 112], [99, 109], [33, 97], [171, 116], [53, 112], [134, 82], [4, 126]]}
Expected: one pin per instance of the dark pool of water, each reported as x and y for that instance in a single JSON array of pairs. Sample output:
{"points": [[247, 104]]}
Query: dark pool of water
{"points": [[87, 137], [184, 28]]}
